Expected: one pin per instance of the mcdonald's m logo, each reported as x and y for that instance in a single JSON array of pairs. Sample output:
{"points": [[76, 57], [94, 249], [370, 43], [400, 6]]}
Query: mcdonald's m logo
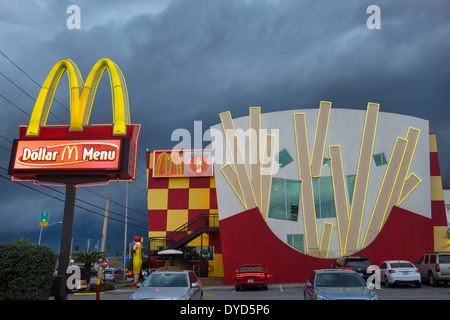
{"points": [[77, 151], [182, 163], [82, 96]]}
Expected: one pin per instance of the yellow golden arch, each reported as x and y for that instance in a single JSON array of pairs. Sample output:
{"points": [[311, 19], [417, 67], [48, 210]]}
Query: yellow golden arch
{"points": [[169, 160], [82, 96]]}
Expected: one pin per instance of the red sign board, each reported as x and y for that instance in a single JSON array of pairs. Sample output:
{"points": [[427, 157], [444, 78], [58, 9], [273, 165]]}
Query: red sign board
{"points": [[95, 153], [67, 154]]}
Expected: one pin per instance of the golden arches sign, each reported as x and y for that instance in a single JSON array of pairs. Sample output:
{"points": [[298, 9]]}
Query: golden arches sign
{"points": [[43, 152], [82, 96]]}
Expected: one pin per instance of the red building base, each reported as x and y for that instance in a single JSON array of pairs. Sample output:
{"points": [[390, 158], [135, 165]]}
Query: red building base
{"points": [[246, 238]]}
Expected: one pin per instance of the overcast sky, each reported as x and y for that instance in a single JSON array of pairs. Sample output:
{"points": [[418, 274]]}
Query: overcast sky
{"points": [[189, 60]]}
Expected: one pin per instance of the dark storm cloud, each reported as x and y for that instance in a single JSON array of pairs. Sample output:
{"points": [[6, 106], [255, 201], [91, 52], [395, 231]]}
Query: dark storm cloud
{"points": [[187, 60]]}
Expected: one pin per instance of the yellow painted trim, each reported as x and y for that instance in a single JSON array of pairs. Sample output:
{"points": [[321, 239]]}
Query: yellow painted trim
{"points": [[441, 239], [86, 293], [433, 142], [340, 194], [362, 177], [325, 240], [320, 138], [309, 216], [437, 193]]}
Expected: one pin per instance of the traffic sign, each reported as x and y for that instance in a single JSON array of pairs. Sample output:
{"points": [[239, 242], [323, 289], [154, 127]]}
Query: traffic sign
{"points": [[43, 220], [103, 263]]}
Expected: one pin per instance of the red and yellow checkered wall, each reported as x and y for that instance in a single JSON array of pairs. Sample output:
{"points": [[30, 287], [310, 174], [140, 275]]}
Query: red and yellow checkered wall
{"points": [[173, 201]]}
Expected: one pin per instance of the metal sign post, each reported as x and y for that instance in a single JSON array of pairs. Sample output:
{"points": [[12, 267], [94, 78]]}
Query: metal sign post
{"points": [[66, 236]]}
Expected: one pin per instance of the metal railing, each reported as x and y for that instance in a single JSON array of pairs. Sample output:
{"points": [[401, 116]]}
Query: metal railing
{"points": [[202, 223]]}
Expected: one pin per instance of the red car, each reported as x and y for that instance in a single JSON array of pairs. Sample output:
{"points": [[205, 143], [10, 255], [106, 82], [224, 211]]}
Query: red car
{"points": [[251, 275]]}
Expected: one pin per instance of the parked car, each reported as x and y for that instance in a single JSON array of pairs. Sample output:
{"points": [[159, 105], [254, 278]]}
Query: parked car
{"points": [[250, 275], [337, 284], [399, 271], [111, 274], [356, 263], [169, 285], [435, 267]]}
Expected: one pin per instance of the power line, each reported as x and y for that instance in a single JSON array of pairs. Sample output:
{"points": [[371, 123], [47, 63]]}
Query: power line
{"points": [[28, 95], [29, 77], [14, 105], [112, 201], [78, 206], [91, 204]]}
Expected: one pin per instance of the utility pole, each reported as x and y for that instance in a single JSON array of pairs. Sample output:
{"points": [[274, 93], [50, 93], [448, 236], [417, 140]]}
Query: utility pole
{"points": [[105, 226], [125, 238]]}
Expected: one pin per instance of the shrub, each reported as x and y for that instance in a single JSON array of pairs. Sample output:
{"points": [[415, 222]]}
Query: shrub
{"points": [[26, 271]]}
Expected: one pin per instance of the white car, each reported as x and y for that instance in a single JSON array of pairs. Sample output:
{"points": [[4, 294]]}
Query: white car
{"points": [[399, 271], [170, 285]]}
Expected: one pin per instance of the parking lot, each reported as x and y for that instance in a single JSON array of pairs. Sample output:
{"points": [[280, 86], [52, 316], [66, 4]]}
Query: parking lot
{"points": [[288, 292]]}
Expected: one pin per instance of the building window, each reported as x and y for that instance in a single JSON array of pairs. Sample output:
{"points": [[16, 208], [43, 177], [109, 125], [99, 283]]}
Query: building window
{"points": [[296, 241], [284, 199], [193, 253], [324, 197], [326, 162], [380, 159]]}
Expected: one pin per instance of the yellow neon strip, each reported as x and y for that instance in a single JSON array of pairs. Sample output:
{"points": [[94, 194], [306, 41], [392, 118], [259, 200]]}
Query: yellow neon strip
{"points": [[362, 177], [340, 193], [325, 240], [232, 179], [385, 192], [266, 177], [255, 154], [44, 100], [239, 163], [410, 184], [309, 215], [320, 138], [412, 136], [119, 94]]}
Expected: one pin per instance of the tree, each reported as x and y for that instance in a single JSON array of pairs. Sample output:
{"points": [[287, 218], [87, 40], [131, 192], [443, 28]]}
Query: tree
{"points": [[88, 258], [26, 271], [22, 241]]}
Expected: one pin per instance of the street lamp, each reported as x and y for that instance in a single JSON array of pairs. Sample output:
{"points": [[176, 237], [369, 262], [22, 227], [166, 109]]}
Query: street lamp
{"points": [[40, 234]]}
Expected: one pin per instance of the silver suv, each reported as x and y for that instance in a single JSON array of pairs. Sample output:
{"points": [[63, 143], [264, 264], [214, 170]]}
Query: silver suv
{"points": [[435, 267]]}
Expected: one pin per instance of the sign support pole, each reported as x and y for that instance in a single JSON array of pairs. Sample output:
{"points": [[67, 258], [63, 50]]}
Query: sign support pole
{"points": [[66, 236], [105, 228]]}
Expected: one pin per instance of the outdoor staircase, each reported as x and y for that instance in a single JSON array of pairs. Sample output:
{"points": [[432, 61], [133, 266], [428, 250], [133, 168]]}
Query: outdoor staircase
{"points": [[203, 223]]}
